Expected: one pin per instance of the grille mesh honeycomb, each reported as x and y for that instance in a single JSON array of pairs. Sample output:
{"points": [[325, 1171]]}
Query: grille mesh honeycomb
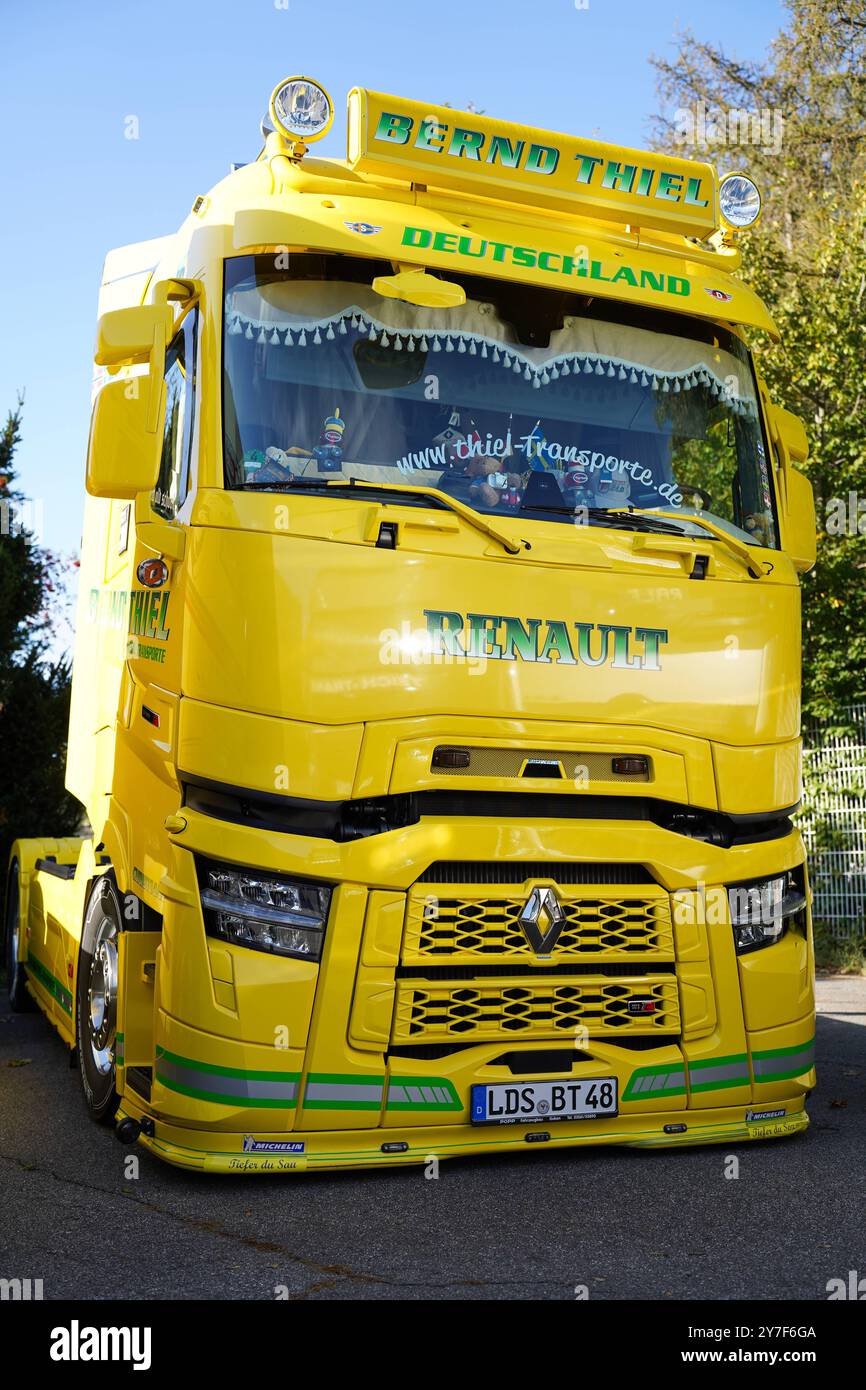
{"points": [[453, 1010]]}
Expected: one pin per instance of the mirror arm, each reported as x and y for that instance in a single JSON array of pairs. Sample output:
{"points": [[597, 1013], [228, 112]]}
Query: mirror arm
{"points": [[165, 292], [176, 291]]}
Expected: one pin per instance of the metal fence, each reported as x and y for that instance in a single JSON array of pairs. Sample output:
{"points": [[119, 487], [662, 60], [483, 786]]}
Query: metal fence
{"points": [[833, 819]]}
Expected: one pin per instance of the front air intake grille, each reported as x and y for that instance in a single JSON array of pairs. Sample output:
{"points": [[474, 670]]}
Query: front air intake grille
{"points": [[470, 871], [478, 925], [518, 1008]]}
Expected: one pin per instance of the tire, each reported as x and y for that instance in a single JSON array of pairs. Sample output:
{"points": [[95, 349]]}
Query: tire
{"points": [[20, 1000], [96, 1000]]}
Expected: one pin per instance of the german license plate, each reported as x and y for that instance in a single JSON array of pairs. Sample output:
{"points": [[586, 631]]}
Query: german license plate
{"points": [[521, 1102]]}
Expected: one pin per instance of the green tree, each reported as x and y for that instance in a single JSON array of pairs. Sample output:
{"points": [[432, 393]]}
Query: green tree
{"points": [[807, 260], [34, 691]]}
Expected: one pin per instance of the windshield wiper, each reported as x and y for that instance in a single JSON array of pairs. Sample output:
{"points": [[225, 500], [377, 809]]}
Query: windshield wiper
{"points": [[273, 486], [738, 549], [404, 489], [658, 522], [607, 516]]}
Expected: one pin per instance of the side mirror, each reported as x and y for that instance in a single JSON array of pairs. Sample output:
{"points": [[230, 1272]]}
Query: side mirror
{"points": [[796, 498], [791, 434], [140, 334], [129, 335], [126, 429], [123, 454], [799, 526]]}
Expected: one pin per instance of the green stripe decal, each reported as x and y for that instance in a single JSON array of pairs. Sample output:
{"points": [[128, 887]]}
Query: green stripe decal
{"points": [[428, 1093], [710, 1074], [267, 1090], [118, 1049], [355, 1091], [781, 1063], [227, 1071], [719, 1073], [666, 1080], [323, 1090], [49, 982]]}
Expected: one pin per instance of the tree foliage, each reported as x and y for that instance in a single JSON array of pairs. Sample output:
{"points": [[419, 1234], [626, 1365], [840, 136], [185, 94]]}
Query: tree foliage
{"points": [[807, 260], [34, 691]]}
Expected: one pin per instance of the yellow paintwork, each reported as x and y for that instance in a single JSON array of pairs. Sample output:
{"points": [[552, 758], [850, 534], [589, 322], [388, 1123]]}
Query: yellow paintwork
{"points": [[281, 655]]}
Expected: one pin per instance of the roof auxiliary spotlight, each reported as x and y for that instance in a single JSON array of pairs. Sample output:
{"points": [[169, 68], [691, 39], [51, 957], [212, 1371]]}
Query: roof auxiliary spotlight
{"points": [[739, 201], [301, 109]]}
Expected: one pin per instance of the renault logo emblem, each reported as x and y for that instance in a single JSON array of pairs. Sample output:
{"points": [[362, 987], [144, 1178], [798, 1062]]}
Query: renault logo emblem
{"points": [[542, 919]]}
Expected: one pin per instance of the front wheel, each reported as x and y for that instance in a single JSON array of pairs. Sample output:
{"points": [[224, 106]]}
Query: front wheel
{"points": [[16, 980], [96, 1001]]}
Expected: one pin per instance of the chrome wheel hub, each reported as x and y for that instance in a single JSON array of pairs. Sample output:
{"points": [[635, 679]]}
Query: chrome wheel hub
{"points": [[102, 997]]}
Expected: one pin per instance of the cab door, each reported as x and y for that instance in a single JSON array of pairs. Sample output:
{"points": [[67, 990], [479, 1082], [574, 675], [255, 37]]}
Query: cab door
{"points": [[154, 639]]}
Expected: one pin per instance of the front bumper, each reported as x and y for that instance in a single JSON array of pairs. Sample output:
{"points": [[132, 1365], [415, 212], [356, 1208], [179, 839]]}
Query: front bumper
{"points": [[253, 1054], [300, 1152]]}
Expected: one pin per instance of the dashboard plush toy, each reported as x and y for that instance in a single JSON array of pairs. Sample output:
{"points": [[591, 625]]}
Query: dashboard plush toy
{"points": [[610, 489], [758, 526], [489, 481], [328, 453]]}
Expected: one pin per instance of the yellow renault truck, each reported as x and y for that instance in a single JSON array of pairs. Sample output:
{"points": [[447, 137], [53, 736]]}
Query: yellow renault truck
{"points": [[436, 698]]}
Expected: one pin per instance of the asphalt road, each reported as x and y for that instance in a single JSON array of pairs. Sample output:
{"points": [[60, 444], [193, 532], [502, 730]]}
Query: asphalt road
{"points": [[626, 1223]]}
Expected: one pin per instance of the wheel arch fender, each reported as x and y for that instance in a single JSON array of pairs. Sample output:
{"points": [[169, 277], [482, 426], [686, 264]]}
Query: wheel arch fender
{"points": [[100, 881]]}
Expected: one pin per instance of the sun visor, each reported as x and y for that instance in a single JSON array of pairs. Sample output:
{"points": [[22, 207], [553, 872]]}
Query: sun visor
{"points": [[304, 315]]}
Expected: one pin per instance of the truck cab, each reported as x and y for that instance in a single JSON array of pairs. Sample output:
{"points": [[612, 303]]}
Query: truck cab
{"points": [[436, 697]]}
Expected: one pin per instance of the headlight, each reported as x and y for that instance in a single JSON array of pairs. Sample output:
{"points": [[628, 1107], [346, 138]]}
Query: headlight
{"points": [[761, 911], [301, 109], [739, 201], [266, 912]]}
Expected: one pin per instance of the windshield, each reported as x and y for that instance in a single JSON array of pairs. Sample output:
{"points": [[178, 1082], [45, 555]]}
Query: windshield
{"points": [[520, 401]]}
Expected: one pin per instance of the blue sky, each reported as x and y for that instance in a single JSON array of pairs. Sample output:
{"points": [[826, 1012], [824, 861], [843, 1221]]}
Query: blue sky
{"points": [[197, 74]]}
